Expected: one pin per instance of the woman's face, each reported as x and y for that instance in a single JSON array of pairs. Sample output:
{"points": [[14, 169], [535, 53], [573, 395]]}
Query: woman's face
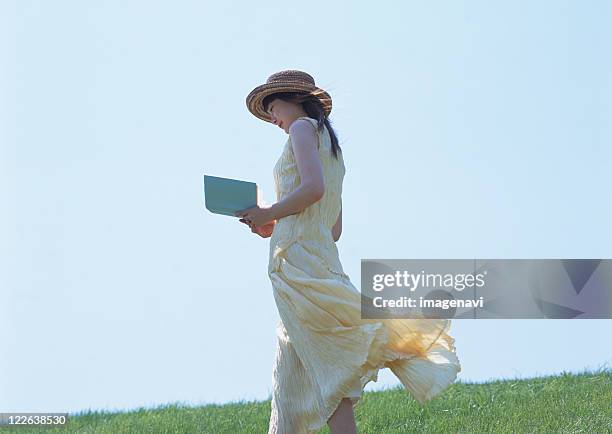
{"points": [[283, 113]]}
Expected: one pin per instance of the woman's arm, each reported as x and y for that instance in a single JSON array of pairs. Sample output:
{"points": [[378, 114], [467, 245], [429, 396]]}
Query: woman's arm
{"points": [[304, 141], [337, 229]]}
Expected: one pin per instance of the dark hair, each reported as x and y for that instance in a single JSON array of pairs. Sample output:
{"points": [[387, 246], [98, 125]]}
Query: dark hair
{"points": [[312, 106]]}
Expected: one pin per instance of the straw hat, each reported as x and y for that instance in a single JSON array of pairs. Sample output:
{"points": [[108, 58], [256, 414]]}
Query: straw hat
{"points": [[289, 80]]}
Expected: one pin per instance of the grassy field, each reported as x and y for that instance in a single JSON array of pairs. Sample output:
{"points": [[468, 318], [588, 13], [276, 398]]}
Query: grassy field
{"points": [[568, 403]]}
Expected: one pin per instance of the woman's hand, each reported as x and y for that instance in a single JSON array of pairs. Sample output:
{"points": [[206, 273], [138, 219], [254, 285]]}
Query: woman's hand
{"points": [[256, 215], [264, 231]]}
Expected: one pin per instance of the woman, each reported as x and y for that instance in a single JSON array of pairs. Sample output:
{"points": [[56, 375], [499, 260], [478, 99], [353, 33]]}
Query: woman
{"points": [[326, 352]]}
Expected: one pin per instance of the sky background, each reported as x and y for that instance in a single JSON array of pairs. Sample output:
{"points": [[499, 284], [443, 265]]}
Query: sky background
{"points": [[470, 130]]}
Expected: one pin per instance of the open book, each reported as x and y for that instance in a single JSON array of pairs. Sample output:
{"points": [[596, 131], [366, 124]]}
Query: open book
{"points": [[226, 195]]}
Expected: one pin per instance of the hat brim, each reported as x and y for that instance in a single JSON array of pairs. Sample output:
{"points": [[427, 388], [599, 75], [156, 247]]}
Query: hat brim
{"points": [[255, 98]]}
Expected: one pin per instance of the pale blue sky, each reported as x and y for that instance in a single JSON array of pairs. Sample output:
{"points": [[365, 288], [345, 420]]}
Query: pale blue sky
{"points": [[470, 130]]}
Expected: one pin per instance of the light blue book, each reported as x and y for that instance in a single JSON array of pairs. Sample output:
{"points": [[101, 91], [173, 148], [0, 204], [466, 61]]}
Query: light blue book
{"points": [[226, 196]]}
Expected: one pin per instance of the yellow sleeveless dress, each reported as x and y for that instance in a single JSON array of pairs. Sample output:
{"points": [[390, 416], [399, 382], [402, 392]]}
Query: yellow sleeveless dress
{"points": [[325, 350]]}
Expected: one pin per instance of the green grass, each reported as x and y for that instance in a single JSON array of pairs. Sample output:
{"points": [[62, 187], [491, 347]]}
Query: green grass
{"points": [[568, 403]]}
